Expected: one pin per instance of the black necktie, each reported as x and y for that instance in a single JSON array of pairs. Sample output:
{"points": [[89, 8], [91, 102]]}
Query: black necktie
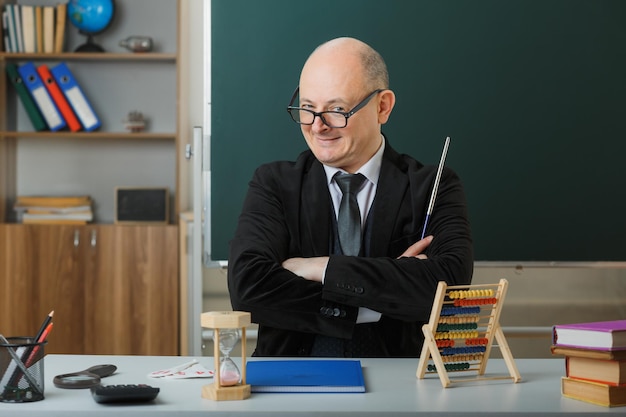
{"points": [[349, 219]]}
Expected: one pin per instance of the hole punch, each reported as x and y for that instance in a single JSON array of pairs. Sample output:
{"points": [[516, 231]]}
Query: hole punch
{"points": [[88, 378]]}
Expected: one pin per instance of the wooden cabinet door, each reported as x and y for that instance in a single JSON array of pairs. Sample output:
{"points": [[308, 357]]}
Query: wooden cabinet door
{"points": [[131, 293], [40, 272]]}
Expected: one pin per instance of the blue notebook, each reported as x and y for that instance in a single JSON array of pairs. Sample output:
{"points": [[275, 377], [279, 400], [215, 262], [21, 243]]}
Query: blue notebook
{"points": [[313, 375]]}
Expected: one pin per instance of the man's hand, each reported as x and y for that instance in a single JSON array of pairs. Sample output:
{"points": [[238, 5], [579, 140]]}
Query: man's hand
{"points": [[416, 249], [313, 269], [308, 268]]}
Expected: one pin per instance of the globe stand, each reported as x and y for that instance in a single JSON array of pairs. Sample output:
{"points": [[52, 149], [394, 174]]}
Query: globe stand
{"points": [[90, 45], [223, 321]]}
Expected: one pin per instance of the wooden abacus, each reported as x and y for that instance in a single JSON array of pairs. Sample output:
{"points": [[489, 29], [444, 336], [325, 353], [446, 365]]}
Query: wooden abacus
{"points": [[459, 335]]}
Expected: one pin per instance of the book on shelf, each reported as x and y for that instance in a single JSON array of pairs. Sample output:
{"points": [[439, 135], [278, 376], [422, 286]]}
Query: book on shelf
{"points": [[28, 28], [12, 31], [17, 22], [86, 216], [55, 221], [5, 31], [305, 376], [32, 28], [39, 201], [59, 31], [48, 29], [594, 392], [54, 209], [599, 335], [39, 29]]}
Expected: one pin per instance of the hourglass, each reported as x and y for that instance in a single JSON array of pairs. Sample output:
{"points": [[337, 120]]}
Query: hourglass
{"points": [[229, 383], [226, 339]]}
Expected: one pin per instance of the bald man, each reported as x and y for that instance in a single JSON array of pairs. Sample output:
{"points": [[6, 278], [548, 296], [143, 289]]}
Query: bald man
{"points": [[287, 265]]}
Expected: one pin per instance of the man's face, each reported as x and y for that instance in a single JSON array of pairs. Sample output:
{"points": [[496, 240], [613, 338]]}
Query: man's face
{"points": [[336, 83]]}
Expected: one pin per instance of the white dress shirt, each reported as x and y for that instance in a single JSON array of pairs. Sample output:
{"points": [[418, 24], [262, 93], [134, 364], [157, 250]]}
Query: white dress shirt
{"points": [[365, 197]]}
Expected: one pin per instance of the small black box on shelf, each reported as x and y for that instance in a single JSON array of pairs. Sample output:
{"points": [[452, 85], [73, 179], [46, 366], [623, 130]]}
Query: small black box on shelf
{"points": [[141, 205]]}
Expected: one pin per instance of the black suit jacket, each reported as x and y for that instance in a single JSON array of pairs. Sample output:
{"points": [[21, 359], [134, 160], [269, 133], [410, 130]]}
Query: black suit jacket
{"points": [[288, 213]]}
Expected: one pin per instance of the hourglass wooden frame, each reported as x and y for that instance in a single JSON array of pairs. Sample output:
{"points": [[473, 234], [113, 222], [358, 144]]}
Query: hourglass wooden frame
{"points": [[459, 335], [218, 320]]}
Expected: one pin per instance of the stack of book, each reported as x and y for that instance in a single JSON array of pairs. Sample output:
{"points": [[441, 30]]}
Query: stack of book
{"points": [[595, 361], [54, 209], [34, 29]]}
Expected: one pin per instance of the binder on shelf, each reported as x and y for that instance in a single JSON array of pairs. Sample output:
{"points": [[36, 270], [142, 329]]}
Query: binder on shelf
{"points": [[59, 98], [75, 96], [59, 35], [27, 101], [48, 29], [39, 93], [28, 28]]}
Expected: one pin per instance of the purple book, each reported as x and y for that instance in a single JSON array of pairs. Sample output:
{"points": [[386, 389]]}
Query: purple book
{"points": [[600, 335]]}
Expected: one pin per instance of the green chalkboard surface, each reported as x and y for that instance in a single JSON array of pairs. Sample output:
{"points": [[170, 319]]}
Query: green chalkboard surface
{"points": [[532, 94]]}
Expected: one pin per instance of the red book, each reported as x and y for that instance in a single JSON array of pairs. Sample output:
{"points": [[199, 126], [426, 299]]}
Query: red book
{"points": [[599, 335], [59, 98]]}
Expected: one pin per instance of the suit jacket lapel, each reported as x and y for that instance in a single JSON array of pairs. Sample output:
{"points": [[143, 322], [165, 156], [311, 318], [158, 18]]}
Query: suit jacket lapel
{"points": [[316, 210], [392, 184]]}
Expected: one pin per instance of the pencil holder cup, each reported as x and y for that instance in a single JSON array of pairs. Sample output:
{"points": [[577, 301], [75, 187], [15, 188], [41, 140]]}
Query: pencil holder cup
{"points": [[21, 370]]}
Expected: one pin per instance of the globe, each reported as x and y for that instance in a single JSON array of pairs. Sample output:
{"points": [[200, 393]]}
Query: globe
{"points": [[90, 17]]}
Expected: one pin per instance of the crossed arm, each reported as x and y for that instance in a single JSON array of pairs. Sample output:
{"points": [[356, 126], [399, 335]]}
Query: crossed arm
{"points": [[313, 269]]}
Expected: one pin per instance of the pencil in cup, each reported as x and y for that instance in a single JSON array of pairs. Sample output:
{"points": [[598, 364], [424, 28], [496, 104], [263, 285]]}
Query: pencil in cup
{"points": [[19, 382]]}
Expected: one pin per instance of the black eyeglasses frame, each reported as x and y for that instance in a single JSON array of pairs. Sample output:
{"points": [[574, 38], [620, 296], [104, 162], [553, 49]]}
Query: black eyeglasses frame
{"points": [[347, 114]]}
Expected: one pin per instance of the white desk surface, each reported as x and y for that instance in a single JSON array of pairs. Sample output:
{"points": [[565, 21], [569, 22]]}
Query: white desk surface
{"points": [[392, 390]]}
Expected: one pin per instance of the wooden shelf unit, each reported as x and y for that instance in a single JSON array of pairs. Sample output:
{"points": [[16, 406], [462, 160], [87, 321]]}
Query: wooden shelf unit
{"points": [[114, 288]]}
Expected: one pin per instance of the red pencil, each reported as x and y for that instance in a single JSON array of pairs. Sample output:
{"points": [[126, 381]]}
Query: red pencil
{"points": [[42, 338]]}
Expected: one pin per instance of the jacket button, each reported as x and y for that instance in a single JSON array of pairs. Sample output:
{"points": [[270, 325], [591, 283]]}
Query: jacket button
{"points": [[336, 312], [358, 290]]}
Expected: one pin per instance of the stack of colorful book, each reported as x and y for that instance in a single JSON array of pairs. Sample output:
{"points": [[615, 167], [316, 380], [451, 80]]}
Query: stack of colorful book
{"points": [[595, 361], [54, 209], [34, 28]]}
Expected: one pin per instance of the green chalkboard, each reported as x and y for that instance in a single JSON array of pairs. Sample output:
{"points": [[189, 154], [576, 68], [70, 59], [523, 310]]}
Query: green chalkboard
{"points": [[531, 92]]}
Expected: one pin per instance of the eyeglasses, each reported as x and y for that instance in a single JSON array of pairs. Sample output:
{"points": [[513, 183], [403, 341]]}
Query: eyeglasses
{"points": [[333, 119]]}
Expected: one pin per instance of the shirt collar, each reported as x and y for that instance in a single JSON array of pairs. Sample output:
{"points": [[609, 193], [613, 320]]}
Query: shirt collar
{"points": [[371, 169]]}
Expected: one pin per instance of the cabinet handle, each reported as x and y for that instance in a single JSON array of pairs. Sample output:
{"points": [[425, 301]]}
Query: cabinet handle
{"points": [[76, 238], [94, 235]]}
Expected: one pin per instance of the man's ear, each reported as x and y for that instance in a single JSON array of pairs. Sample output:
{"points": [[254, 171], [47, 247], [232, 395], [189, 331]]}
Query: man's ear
{"points": [[386, 101]]}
